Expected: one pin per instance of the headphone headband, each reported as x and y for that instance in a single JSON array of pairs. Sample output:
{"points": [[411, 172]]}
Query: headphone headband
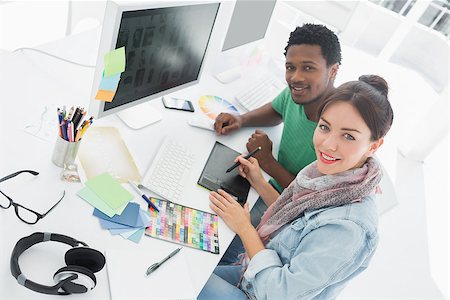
{"points": [[24, 244]]}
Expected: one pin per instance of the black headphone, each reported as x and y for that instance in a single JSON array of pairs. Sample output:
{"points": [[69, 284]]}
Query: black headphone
{"points": [[75, 278]]}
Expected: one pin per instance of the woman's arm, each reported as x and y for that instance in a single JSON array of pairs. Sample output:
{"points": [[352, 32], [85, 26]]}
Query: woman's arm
{"points": [[238, 219], [326, 256], [250, 170]]}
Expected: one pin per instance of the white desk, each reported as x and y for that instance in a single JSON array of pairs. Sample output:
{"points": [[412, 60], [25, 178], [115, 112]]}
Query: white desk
{"points": [[28, 82]]}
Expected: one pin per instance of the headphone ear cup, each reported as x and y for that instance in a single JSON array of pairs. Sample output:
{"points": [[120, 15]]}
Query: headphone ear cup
{"points": [[85, 257], [84, 282]]}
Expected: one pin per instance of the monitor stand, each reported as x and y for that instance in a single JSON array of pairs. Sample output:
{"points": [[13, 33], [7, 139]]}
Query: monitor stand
{"points": [[139, 116]]}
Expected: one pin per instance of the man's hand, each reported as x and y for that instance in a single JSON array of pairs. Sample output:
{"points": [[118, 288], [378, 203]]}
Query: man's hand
{"points": [[226, 123], [264, 157]]}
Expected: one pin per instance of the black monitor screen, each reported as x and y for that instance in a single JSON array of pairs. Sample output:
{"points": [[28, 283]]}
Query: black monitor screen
{"points": [[164, 48]]}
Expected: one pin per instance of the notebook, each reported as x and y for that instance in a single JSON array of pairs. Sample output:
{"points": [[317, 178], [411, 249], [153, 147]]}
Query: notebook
{"points": [[127, 280], [214, 174]]}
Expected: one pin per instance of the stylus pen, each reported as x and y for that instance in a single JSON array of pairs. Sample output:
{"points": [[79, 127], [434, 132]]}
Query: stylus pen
{"points": [[134, 186], [236, 164], [155, 266]]}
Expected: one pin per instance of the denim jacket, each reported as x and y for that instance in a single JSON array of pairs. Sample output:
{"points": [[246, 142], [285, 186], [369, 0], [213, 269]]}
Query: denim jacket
{"points": [[314, 256]]}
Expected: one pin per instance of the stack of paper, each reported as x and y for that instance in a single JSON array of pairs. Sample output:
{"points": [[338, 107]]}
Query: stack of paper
{"points": [[112, 207]]}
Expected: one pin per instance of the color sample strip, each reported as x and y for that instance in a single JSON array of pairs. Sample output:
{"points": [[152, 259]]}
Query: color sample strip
{"points": [[184, 225]]}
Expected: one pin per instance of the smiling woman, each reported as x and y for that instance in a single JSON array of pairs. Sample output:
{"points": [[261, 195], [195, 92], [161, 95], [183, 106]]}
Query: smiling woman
{"points": [[322, 230], [348, 132]]}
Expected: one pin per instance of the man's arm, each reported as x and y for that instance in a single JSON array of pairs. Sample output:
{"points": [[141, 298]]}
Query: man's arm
{"points": [[279, 173], [264, 116]]}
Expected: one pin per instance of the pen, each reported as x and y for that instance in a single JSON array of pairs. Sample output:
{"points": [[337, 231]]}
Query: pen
{"points": [[236, 164], [134, 186], [155, 266]]}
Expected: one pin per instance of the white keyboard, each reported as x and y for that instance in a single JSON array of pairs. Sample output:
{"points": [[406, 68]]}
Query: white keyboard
{"points": [[259, 92], [169, 170]]}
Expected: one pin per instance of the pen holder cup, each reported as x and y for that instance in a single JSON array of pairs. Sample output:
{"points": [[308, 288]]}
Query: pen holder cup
{"points": [[64, 152]]}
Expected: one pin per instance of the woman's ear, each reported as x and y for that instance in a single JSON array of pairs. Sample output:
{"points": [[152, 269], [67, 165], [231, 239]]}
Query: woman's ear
{"points": [[374, 146]]}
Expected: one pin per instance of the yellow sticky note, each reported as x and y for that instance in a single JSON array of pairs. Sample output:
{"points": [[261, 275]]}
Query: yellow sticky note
{"points": [[104, 95], [114, 62]]}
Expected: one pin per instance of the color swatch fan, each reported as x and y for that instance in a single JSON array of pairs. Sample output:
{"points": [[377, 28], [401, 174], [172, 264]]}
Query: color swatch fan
{"points": [[212, 106]]}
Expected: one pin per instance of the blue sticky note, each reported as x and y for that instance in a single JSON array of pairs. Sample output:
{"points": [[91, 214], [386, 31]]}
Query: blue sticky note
{"points": [[129, 233], [105, 224], [130, 215], [136, 237], [110, 83], [116, 231]]}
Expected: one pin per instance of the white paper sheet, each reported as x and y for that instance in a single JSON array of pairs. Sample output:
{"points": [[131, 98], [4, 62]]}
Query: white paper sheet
{"points": [[127, 279]]}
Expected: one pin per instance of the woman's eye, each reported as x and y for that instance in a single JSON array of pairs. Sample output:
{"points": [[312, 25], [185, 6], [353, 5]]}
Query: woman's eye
{"points": [[324, 127], [349, 137], [289, 68], [308, 68]]}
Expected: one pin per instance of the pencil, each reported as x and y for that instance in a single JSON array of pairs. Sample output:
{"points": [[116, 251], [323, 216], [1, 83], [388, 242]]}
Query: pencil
{"points": [[236, 164]]}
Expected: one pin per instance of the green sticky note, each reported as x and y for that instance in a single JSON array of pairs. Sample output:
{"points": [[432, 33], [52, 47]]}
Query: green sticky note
{"points": [[109, 190], [114, 62], [90, 197]]}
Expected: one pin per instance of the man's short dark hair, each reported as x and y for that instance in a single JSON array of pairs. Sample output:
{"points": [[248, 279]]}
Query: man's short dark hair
{"points": [[314, 34]]}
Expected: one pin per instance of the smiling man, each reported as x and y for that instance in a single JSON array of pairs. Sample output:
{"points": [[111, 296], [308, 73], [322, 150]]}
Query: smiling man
{"points": [[313, 56]]}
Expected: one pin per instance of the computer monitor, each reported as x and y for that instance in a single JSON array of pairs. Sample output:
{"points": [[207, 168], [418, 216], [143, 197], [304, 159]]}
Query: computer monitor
{"points": [[165, 48], [247, 27]]}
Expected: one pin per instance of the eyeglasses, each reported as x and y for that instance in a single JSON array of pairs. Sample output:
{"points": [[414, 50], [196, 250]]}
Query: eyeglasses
{"points": [[26, 215]]}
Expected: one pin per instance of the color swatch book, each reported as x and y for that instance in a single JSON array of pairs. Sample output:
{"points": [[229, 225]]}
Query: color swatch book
{"points": [[184, 225]]}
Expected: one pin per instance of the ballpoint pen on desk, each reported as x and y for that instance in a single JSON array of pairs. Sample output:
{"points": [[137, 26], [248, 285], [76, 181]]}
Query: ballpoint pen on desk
{"points": [[134, 186], [236, 164], [155, 266]]}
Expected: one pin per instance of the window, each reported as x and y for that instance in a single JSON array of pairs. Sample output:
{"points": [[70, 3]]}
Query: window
{"points": [[436, 16], [401, 7]]}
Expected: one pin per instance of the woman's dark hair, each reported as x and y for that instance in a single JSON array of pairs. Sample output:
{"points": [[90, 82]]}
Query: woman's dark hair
{"points": [[314, 34], [369, 95]]}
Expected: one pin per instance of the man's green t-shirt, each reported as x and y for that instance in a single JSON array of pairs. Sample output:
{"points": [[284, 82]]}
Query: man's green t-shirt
{"points": [[296, 145]]}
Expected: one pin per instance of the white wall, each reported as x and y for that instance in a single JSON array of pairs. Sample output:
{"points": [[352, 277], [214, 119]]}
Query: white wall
{"points": [[28, 24], [437, 195]]}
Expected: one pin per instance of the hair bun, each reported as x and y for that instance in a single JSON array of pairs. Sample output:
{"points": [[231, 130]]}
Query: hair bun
{"points": [[377, 82]]}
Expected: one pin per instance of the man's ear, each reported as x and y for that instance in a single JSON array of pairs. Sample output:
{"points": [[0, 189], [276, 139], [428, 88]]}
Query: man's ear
{"points": [[374, 147], [333, 71]]}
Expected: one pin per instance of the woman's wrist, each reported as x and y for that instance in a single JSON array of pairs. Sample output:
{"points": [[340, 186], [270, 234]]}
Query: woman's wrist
{"points": [[245, 229]]}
